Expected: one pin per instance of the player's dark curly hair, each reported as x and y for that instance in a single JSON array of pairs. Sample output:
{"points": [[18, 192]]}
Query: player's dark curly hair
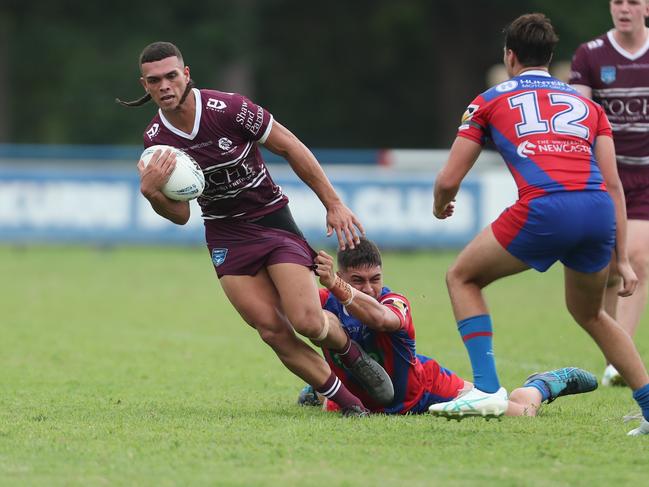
{"points": [[365, 254], [157, 51], [532, 38]]}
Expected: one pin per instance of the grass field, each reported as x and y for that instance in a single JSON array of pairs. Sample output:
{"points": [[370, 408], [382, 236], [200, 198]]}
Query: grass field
{"points": [[129, 367]]}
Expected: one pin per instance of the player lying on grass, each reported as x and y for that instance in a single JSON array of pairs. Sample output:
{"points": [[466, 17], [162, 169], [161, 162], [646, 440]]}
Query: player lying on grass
{"points": [[380, 321]]}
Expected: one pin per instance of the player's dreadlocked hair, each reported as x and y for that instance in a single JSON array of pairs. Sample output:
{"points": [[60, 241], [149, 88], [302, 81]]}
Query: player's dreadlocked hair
{"points": [[156, 52], [532, 38], [364, 254]]}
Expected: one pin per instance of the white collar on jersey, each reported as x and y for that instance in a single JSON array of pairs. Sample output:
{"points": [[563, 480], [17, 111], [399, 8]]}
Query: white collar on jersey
{"points": [[624, 52], [197, 118], [534, 72]]}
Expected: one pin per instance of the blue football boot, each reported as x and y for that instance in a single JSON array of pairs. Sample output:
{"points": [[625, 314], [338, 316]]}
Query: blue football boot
{"points": [[309, 397], [566, 381]]}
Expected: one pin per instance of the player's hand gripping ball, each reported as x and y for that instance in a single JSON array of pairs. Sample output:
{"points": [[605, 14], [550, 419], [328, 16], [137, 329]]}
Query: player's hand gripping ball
{"points": [[186, 181]]}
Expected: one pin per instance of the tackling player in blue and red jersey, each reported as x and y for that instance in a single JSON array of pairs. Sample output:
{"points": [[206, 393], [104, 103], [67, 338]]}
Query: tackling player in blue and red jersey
{"points": [[380, 321], [558, 146]]}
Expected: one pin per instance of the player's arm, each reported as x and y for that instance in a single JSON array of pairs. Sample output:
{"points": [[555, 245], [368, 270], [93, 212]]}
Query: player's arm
{"points": [[461, 158], [580, 69], [339, 218], [152, 178], [373, 314], [365, 308], [605, 156]]}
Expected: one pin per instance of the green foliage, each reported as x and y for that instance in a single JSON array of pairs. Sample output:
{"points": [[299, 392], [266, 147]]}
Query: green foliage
{"points": [[129, 367], [340, 74]]}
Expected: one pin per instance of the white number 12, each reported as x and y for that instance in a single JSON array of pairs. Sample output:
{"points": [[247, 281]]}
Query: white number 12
{"points": [[565, 122]]}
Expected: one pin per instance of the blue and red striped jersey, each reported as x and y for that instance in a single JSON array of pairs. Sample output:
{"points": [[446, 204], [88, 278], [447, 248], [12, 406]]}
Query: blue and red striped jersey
{"points": [[413, 381], [545, 131]]}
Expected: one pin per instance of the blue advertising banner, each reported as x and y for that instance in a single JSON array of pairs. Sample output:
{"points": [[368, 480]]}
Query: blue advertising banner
{"points": [[81, 205]]}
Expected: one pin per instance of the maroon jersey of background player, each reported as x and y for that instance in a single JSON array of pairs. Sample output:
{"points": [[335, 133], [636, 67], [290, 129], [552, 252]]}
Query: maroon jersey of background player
{"points": [[620, 83]]}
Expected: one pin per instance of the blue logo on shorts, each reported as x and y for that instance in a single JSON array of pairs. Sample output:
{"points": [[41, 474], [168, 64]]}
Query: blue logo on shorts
{"points": [[218, 256], [607, 74]]}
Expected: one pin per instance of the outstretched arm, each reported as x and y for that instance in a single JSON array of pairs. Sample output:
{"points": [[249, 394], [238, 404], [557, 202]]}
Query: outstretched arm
{"points": [[365, 308], [461, 158], [152, 178], [340, 219]]}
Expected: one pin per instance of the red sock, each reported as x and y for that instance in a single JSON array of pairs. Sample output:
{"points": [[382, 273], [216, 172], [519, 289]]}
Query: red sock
{"points": [[335, 390], [349, 353]]}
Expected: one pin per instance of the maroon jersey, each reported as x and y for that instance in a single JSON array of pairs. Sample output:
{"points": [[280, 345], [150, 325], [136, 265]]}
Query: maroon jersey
{"points": [[223, 142], [620, 83]]}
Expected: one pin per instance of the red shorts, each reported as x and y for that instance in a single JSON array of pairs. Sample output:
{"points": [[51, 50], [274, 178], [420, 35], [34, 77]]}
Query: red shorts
{"points": [[243, 248], [635, 181]]}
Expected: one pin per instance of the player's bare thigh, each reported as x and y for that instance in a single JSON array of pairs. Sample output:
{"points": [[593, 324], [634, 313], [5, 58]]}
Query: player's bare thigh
{"points": [[484, 260], [277, 296], [584, 293], [255, 298], [638, 247], [299, 297]]}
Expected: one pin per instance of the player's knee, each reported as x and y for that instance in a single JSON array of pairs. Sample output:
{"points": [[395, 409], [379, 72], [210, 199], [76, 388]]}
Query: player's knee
{"points": [[586, 317], [640, 264], [455, 276], [308, 321], [273, 335]]}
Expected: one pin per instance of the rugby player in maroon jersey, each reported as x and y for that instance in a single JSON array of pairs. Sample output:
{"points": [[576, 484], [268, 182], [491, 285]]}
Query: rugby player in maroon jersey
{"points": [[263, 262]]}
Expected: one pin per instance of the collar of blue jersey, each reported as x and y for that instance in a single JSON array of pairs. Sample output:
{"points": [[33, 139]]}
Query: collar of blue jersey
{"points": [[534, 72]]}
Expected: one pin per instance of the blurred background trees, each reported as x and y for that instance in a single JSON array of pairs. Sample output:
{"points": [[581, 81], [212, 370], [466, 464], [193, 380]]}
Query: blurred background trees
{"points": [[353, 74]]}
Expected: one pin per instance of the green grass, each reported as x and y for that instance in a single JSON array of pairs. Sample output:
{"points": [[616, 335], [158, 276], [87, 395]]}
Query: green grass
{"points": [[129, 367]]}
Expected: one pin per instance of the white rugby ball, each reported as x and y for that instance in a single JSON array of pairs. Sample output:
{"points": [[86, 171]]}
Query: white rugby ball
{"points": [[186, 181]]}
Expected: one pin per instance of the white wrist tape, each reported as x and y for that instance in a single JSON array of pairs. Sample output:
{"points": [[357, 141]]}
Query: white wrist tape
{"points": [[351, 298]]}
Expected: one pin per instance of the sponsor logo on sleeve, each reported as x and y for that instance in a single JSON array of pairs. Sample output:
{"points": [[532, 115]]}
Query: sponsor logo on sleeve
{"points": [[214, 104], [399, 304], [595, 44], [249, 119], [468, 114], [607, 74], [153, 131]]}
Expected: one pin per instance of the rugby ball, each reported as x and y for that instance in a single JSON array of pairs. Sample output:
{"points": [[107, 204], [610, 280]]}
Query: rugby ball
{"points": [[186, 181]]}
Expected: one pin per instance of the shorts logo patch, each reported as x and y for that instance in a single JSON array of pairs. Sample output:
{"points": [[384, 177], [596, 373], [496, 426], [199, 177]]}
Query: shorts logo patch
{"points": [[218, 256], [607, 74]]}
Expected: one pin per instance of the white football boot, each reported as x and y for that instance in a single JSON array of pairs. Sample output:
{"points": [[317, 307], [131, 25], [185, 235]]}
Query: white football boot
{"points": [[612, 377], [643, 429], [473, 403]]}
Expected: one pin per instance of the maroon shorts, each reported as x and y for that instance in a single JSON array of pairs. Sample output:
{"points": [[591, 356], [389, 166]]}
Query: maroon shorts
{"points": [[243, 248], [635, 181]]}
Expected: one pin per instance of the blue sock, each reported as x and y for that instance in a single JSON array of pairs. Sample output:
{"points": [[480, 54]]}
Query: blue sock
{"points": [[477, 335], [542, 387], [642, 398]]}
